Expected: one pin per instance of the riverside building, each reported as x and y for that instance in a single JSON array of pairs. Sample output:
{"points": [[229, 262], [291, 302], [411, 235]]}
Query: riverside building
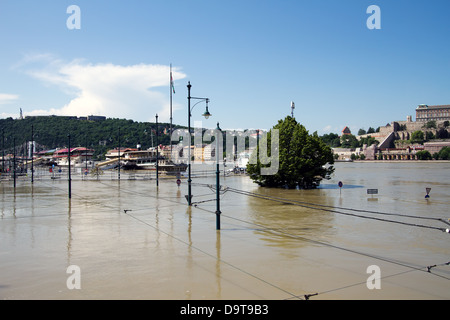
{"points": [[425, 113]]}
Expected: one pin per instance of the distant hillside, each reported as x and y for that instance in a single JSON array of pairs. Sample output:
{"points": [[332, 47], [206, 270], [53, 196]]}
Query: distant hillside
{"points": [[51, 132]]}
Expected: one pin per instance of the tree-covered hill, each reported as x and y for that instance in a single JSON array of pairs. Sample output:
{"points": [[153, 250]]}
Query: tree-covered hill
{"points": [[52, 132]]}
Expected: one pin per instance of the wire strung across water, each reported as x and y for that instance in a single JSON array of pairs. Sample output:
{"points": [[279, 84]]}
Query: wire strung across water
{"points": [[333, 210], [307, 205]]}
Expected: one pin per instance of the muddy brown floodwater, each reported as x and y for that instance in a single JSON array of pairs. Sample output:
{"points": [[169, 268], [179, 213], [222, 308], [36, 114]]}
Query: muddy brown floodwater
{"points": [[130, 240]]}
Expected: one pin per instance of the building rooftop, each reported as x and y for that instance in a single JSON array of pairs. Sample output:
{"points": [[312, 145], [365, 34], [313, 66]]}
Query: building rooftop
{"points": [[424, 106], [346, 130]]}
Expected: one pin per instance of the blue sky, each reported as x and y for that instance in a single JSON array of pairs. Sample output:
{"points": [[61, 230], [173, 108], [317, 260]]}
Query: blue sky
{"points": [[251, 58]]}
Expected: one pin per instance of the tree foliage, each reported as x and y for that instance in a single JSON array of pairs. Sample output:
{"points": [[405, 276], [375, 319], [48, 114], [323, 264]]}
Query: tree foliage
{"points": [[429, 135], [368, 141], [442, 134], [444, 154], [424, 155], [302, 158], [417, 137], [361, 132], [349, 141], [331, 139], [430, 124]]}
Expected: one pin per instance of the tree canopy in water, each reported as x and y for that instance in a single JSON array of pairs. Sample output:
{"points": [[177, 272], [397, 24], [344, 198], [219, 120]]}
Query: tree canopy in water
{"points": [[304, 159]]}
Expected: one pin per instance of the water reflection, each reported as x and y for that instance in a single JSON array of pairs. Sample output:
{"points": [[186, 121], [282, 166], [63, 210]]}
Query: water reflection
{"points": [[335, 186], [189, 260], [287, 222], [69, 232], [3, 204], [218, 264], [14, 204], [170, 251]]}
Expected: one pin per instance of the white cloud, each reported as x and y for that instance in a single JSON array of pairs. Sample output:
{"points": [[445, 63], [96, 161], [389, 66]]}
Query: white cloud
{"points": [[6, 98], [131, 92]]}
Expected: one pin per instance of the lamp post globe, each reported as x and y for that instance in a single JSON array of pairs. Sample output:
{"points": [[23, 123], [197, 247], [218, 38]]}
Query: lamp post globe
{"points": [[206, 114]]}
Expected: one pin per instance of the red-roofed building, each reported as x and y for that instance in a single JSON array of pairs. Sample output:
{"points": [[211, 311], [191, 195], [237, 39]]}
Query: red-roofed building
{"points": [[346, 131]]}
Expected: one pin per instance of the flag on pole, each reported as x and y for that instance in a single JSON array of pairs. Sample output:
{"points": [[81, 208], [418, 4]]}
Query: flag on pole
{"points": [[171, 82]]}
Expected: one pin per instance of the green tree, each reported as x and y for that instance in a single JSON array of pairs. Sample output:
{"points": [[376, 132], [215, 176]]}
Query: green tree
{"points": [[361, 132], [424, 155], [368, 140], [349, 141], [444, 154], [331, 139], [371, 130], [417, 137], [429, 135], [442, 134], [302, 158], [430, 124]]}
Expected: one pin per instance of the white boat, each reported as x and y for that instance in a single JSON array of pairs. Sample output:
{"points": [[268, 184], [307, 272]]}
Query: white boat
{"points": [[135, 159], [78, 156]]}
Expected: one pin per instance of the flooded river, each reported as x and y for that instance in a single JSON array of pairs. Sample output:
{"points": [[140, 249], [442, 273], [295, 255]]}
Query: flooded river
{"points": [[129, 239]]}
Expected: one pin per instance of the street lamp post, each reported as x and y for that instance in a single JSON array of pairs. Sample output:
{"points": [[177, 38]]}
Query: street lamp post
{"points": [[70, 178], [14, 162], [206, 115], [32, 154], [219, 131], [157, 153], [3, 151], [85, 155], [119, 157]]}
